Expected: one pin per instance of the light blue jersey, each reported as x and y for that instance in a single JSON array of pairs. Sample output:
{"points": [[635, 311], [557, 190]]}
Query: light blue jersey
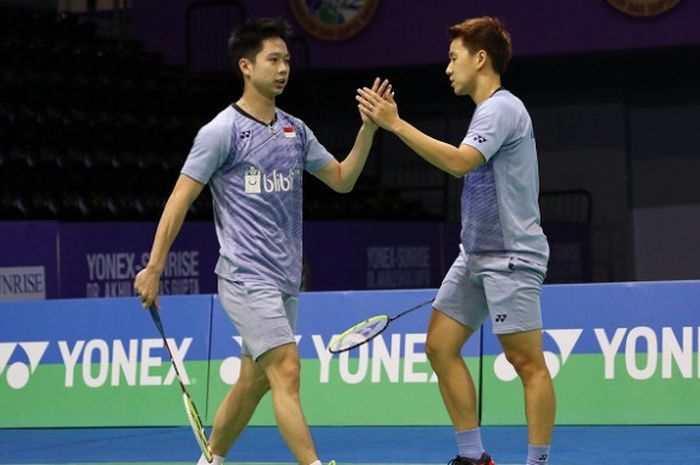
{"points": [[500, 210], [255, 175]]}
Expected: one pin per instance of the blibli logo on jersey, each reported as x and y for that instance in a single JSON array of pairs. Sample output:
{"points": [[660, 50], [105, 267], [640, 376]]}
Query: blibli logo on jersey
{"points": [[256, 182], [252, 181]]}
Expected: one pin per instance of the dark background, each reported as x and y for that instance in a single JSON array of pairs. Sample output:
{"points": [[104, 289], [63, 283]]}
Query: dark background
{"points": [[98, 108]]}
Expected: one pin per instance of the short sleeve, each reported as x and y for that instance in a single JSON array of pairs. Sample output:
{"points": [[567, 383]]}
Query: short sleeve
{"points": [[316, 157], [491, 125], [209, 151]]}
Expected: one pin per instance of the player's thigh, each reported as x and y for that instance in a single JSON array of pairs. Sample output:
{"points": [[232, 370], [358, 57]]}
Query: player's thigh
{"points": [[460, 297], [264, 317], [252, 374], [446, 336]]}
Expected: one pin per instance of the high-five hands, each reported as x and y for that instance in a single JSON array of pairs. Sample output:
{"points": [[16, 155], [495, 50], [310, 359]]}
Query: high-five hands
{"points": [[383, 90], [378, 104]]}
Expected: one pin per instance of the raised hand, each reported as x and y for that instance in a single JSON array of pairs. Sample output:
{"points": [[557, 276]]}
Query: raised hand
{"points": [[378, 105], [382, 88]]}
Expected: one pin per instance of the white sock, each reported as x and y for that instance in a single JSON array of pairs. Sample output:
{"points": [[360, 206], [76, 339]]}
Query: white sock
{"points": [[317, 462], [216, 460]]}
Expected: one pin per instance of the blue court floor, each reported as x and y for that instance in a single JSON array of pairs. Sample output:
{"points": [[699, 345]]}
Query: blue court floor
{"points": [[573, 445]]}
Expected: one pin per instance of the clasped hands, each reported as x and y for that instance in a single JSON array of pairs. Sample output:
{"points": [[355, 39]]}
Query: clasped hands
{"points": [[377, 104]]}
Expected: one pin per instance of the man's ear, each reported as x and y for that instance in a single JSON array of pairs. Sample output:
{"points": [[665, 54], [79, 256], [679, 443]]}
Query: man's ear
{"points": [[244, 65], [481, 58]]}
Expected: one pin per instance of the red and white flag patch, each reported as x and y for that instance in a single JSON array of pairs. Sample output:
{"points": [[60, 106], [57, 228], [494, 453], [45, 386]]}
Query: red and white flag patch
{"points": [[289, 131]]}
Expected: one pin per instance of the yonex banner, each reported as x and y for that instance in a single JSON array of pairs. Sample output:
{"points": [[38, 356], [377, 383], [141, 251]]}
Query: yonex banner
{"points": [[375, 255], [101, 259], [619, 354], [100, 362]]}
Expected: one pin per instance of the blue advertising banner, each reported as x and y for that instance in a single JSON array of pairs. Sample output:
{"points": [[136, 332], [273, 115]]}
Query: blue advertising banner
{"points": [[28, 262], [100, 362], [610, 349], [102, 259]]}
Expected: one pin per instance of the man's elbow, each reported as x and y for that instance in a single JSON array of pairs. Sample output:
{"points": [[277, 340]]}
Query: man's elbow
{"points": [[459, 171]]}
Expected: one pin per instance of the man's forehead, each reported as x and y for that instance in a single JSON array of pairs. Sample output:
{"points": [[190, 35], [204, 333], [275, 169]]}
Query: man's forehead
{"points": [[274, 45], [457, 44]]}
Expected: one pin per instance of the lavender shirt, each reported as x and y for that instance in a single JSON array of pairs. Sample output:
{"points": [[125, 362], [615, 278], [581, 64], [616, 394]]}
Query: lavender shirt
{"points": [[254, 171]]}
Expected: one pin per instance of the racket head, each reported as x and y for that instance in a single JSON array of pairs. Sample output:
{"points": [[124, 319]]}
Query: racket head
{"points": [[359, 334], [197, 426]]}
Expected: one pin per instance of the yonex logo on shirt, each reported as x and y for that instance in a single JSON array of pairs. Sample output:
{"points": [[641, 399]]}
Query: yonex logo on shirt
{"points": [[479, 138], [245, 134], [256, 182]]}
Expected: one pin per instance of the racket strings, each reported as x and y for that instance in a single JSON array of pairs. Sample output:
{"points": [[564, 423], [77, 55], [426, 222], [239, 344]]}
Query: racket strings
{"points": [[359, 334]]}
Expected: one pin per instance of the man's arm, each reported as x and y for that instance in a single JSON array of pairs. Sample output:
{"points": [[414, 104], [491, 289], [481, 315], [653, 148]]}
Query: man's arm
{"points": [[147, 280], [341, 176], [456, 161]]}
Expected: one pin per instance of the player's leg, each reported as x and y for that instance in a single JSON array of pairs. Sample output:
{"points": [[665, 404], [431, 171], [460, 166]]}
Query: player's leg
{"points": [[513, 294], [443, 347], [238, 406], [282, 366], [459, 307], [524, 352]]}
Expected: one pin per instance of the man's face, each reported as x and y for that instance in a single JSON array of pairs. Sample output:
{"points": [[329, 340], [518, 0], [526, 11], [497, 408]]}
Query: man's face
{"points": [[269, 71], [462, 68]]}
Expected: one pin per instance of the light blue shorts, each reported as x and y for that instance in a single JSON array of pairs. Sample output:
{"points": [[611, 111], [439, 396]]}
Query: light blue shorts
{"points": [[506, 288], [264, 316]]}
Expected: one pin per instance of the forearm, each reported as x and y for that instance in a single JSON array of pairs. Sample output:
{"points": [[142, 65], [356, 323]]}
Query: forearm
{"points": [[168, 228], [350, 168], [440, 154]]}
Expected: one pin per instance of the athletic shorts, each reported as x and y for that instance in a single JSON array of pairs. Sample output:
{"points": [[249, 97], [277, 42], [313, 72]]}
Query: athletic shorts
{"points": [[505, 288], [264, 316]]}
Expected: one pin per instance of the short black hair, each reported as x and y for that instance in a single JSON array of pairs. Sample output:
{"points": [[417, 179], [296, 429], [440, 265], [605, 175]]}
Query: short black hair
{"points": [[246, 41]]}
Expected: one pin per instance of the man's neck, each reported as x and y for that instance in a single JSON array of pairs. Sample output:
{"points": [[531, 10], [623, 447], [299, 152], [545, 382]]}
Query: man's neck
{"points": [[486, 88], [258, 105]]}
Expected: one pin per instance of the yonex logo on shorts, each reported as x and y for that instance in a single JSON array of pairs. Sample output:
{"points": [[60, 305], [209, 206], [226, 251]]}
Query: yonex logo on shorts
{"points": [[18, 372], [500, 317]]}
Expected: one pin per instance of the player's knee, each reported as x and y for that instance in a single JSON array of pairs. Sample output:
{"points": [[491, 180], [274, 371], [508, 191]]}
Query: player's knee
{"points": [[436, 351], [527, 365]]}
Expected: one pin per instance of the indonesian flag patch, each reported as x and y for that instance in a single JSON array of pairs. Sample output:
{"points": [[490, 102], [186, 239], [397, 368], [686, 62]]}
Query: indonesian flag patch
{"points": [[289, 132]]}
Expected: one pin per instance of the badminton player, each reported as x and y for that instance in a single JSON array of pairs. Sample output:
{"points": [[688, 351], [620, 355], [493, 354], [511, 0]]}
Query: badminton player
{"points": [[503, 252], [252, 155]]}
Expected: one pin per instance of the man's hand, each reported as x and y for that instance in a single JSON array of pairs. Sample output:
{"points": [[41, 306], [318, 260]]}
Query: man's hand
{"points": [[380, 107], [146, 283], [382, 89]]}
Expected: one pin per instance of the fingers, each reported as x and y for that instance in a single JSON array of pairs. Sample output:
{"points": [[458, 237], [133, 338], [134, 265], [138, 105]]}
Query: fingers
{"points": [[368, 95], [366, 104], [375, 84]]}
